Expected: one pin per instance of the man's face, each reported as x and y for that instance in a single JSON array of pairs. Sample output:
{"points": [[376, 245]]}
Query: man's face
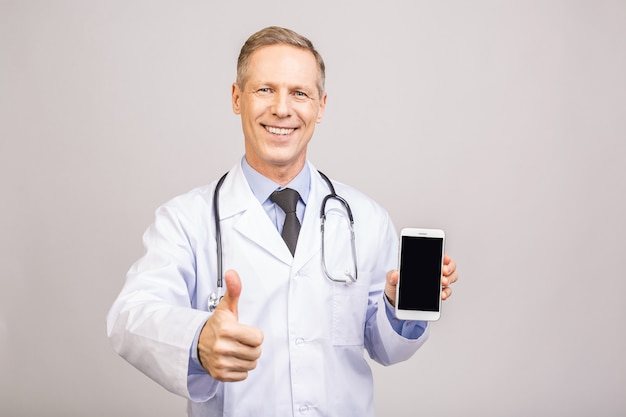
{"points": [[279, 107]]}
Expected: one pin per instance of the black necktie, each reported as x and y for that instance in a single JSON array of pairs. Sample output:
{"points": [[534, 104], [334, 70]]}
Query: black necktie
{"points": [[287, 200]]}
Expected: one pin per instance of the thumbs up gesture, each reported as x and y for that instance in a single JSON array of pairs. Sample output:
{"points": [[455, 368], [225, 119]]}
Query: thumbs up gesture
{"points": [[227, 349]]}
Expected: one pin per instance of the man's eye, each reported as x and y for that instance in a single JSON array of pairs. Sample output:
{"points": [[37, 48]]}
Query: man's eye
{"points": [[264, 90], [300, 94]]}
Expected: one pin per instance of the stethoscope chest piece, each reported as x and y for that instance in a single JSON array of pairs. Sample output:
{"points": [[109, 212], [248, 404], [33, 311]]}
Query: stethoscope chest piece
{"points": [[215, 298]]}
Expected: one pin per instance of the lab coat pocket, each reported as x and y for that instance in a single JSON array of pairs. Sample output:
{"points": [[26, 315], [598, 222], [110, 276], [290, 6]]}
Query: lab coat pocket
{"points": [[349, 309]]}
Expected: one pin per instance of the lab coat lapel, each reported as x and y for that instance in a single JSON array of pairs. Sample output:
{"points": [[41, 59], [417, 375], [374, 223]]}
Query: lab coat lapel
{"points": [[309, 241], [236, 199]]}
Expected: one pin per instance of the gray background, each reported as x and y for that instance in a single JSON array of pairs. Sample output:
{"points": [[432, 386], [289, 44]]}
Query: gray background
{"points": [[502, 122]]}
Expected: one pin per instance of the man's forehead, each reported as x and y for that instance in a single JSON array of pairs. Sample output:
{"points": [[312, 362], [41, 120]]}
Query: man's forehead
{"points": [[283, 60]]}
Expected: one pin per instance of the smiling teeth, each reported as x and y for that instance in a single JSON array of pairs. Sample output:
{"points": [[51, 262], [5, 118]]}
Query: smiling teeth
{"points": [[278, 130]]}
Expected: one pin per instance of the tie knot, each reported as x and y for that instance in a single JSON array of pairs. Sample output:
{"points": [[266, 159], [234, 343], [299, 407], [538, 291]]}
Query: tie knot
{"points": [[286, 199]]}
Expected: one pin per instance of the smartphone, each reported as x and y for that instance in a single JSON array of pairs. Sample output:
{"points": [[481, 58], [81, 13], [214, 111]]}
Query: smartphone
{"points": [[418, 293]]}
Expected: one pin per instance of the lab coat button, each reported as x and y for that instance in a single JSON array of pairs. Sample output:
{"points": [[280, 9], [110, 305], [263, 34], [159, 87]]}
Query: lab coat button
{"points": [[299, 341], [304, 408]]}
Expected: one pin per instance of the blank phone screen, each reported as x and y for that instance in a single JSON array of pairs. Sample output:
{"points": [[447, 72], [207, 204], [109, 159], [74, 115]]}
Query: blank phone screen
{"points": [[420, 273]]}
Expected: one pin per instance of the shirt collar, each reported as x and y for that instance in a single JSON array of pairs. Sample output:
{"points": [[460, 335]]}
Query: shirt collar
{"points": [[262, 186]]}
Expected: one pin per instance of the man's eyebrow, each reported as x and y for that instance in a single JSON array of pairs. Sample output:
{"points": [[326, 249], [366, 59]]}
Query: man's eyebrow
{"points": [[272, 84], [303, 87], [260, 83]]}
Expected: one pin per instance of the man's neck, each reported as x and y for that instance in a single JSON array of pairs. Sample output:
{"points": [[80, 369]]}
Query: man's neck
{"points": [[280, 174]]}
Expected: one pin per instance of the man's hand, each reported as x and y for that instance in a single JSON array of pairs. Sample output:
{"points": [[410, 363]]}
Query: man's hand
{"points": [[227, 349], [448, 277]]}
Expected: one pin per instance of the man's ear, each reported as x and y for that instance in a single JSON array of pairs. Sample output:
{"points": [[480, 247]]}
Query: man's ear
{"points": [[320, 111], [236, 98]]}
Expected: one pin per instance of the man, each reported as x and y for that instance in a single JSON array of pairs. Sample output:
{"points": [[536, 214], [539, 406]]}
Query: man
{"points": [[286, 339]]}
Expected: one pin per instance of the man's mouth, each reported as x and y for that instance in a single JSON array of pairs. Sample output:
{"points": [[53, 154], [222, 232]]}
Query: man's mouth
{"points": [[279, 130]]}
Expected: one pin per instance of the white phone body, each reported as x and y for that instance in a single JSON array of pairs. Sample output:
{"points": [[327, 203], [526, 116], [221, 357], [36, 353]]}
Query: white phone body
{"points": [[418, 293]]}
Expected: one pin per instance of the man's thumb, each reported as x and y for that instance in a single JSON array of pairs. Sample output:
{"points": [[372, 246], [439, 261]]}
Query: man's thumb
{"points": [[233, 290]]}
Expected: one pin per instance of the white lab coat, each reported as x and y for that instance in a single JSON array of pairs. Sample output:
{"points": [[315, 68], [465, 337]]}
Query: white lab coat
{"points": [[314, 330]]}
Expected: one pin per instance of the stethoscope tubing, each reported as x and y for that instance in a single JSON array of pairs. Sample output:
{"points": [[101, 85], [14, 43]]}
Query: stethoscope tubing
{"points": [[218, 229], [214, 298]]}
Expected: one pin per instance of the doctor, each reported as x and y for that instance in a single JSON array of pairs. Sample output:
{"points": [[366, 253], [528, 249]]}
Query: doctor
{"points": [[285, 340]]}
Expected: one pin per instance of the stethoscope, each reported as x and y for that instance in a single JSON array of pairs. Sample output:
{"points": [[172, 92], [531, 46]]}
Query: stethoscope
{"points": [[216, 297]]}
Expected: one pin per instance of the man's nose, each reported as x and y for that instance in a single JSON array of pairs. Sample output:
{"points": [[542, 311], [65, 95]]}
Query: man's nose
{"points": [[281, 107]]}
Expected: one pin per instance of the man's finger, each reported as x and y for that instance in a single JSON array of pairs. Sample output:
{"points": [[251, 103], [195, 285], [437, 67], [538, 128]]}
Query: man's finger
{"points": [[233, 290], [390, 286]]}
